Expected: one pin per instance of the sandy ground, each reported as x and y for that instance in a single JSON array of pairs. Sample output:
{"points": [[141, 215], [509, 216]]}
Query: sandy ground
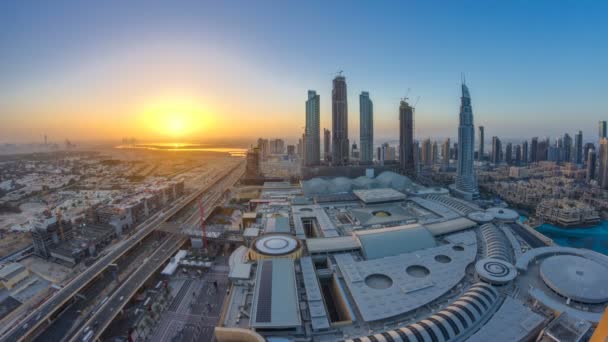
{"points": [[46, 269], [13, 241]]}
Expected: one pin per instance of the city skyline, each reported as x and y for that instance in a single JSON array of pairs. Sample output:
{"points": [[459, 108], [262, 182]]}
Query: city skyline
{"points": [[164, 74]]}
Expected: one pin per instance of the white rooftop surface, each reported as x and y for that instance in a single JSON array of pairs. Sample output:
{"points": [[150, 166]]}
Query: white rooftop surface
{"points": [[251, 232], [575, 277], [240, 271], [379, 195], [328, 229], [276, 244], [450, 226], [314, 298], [381, 214], [333, 244], [275, 300], [277, 225], [174, 263], [383, 242], [504, 214], [481, 216], [395, 291], [513, 320], [561, 306], [435, 207], [495, 271], [7, 269]]}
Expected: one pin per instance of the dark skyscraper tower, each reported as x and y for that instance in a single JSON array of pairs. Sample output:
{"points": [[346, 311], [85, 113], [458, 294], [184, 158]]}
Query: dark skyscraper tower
{"points": [[312, 155], [480, 150], [326, 144], [534, 150], [406, 138], [517, 154], [524, 152], [509, 154], [496, 150], [366, 127], [577, 156], [339, 116], [466, 182], [567, 148], [591, 164]]}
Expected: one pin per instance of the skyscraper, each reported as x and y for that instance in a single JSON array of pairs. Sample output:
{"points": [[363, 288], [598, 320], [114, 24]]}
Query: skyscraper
{"points": [[445, 150], [406, 138], [426, 155], [577, 156], [588, 146], [366, 127], [517, 154], [339, 116], [326, 144], [509, 154], [496, 150], [480, 150], [466, 182], [524, 152], [567, 145], [312, 155], [602, 176], [534, 150], [591, 164], [602, 129]]}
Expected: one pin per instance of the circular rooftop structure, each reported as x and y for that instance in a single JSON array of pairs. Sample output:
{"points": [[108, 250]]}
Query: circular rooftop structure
{"points": [[495, 271], [577, 278], [275, 245], [481, 216], [504, 214]]}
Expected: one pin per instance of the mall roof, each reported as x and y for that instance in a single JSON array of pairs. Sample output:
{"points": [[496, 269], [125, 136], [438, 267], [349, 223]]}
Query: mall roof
{"points": [[379, 195], [380, 243], [332, 244], [275, 300], [277, 225], [450, 226], [387, 287]]}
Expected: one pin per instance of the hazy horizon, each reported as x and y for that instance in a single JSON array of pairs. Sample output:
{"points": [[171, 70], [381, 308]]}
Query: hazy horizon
{"points": [[193, 71]]}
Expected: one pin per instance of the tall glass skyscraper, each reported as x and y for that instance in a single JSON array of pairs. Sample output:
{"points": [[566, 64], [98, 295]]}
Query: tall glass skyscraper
{"points": [[339, 117], [312, 154], [480, 150], [406, 139], [602, 129], [366, 127], [466, 182], [577, 156]]}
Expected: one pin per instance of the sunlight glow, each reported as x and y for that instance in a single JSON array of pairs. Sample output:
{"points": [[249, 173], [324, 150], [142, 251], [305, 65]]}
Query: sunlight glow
{"points": [[175, 117]]}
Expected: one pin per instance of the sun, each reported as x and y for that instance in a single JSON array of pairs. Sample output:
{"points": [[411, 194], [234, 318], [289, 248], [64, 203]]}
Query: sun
{"points": [[175, 117]]}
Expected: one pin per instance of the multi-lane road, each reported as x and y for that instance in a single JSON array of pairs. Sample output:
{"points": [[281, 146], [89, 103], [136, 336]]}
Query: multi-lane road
{"points": [[25, 327], [100, 320]]}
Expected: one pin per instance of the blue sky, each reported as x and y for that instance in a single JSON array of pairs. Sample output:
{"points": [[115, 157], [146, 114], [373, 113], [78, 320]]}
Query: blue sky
{"points": [[533, 67]]}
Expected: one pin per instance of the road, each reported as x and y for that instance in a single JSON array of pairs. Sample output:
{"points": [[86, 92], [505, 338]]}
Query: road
{"points": [[531, 239], [104, 316], [23, 329]]}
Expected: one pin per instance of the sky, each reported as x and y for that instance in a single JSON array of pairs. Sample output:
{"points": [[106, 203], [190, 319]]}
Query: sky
{"points": [[213, 70]]}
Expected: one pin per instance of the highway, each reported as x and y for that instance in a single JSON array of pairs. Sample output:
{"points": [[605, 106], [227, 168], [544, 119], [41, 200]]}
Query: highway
{"points": [[99, 321], [23, 329]]}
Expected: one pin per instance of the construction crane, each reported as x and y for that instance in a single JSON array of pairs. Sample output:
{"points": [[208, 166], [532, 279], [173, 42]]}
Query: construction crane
{"points": [[203, 228], [415, 103]]}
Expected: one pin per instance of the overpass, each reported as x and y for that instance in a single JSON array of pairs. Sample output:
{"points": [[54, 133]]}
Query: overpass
{"points": [[102, 318], [22, 330]]}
